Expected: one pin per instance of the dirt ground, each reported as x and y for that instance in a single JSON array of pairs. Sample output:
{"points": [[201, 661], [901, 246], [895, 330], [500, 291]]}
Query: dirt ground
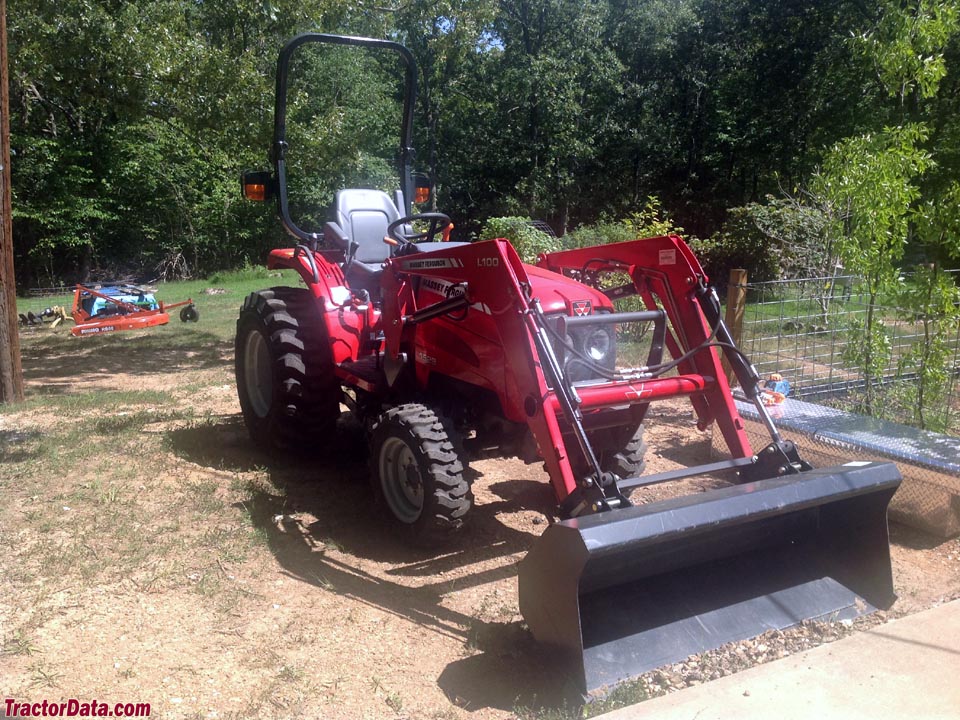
{"points": [[171, 563]]}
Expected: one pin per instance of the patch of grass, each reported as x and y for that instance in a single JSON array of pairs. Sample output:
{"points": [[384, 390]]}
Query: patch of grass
{"points": [[244, 274], [43, 677], [106, 495], [623, 695], [207, 583], [291, 673], [230, 545], [392, 698], [563, 713], [218, 312], [70, 403], [324, 583], [133, 421], [394, 702], [19, 643], [203, 497]]}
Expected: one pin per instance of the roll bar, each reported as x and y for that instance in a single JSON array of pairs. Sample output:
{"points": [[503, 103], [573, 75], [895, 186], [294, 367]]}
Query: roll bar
{"points": [[279, 149]]}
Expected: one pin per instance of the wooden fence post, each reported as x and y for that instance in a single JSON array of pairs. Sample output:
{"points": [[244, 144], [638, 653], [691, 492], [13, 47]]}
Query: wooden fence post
{"points": [[736, 303]]}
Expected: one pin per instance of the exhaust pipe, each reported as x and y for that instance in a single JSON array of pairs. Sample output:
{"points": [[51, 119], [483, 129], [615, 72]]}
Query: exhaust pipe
{"points": [[623, 592]]}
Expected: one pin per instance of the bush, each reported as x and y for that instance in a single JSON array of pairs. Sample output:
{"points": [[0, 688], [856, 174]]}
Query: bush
{"points": [[781, 238], [527, 240], [725, 252], [648, 221]]}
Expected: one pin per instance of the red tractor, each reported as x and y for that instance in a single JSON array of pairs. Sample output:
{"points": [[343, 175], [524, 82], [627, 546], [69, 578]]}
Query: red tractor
{"points": [[443, 350]]}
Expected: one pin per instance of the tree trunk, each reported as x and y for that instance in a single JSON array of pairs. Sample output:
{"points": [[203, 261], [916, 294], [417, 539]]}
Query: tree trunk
{"points": [[11, 372]]}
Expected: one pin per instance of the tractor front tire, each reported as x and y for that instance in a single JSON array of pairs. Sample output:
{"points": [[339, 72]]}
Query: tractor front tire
{"points": [[417, 473], [288, 392], [627, 457]]}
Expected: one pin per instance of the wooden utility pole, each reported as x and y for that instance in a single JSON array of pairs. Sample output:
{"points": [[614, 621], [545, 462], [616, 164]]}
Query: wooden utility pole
{"points": [[11, 371], [736, 302]]}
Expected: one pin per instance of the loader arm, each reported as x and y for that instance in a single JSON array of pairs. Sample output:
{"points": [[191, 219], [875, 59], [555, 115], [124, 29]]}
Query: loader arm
{"points": [[664, 269]]}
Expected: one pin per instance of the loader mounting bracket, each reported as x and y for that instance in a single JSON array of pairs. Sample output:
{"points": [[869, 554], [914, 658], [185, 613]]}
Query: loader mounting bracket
{"points": [[775, 460]]}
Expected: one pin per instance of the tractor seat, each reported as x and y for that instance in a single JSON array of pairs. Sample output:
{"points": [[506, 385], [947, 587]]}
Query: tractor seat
{"points": [[362, 217]]}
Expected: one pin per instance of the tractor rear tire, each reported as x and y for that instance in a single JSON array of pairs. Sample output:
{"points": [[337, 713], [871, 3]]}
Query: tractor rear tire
{"points": [[417, 473], [627, 457], [288, 392]]}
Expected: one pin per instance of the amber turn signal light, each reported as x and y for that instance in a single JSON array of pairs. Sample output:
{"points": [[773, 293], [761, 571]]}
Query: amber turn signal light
{"points": [[257, 185]]}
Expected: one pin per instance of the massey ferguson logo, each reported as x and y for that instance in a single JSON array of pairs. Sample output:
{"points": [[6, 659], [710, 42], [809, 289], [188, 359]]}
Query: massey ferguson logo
{"points": [[582, 307], [458, 290], [431, 264]]}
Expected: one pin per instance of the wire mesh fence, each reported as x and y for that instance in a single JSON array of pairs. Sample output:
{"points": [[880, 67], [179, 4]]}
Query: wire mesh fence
{"points": [[810, 331]]}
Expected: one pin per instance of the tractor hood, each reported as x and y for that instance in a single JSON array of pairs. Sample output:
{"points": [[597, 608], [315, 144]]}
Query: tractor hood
{"points": [[560, 294]]}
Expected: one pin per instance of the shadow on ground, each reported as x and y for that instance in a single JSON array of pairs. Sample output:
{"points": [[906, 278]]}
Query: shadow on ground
{"points": [[913, 538], [506, 668], [66, 358], [17, 445]]}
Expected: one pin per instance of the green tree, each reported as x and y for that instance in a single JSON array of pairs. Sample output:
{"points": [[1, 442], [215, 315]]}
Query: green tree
{"points": [[445, 37], [931, 298], [131, 121], [868, 185], [906, 47], [532, 112]]}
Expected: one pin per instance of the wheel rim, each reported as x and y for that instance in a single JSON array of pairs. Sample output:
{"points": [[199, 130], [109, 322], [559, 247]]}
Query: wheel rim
{"points": [[400, 480], [257, 374]]}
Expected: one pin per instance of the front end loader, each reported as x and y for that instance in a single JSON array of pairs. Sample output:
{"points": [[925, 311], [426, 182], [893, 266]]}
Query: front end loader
{"points": [[446, 350]]}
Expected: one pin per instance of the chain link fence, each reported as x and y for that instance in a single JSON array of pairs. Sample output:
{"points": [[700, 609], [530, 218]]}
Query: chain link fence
{"points": [[810, 331]]}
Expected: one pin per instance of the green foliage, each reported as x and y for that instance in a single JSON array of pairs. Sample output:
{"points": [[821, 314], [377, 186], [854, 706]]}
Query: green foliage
{"points": [[60, 207], [527, 240], [779, 239], [728, 251], [650, 220], [131, 121], [130, 125], [868, 186], [343, 120], [930, 298], [906, 45], [795, 234], [869, 351], [244, 274], [936, 223]]}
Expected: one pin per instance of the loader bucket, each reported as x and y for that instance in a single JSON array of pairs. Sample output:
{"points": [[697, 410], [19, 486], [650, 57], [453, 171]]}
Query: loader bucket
{"points": [[627, 591]]}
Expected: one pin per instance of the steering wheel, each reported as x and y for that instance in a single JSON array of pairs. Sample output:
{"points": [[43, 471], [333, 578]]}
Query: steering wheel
{"points": [[438, 223]]}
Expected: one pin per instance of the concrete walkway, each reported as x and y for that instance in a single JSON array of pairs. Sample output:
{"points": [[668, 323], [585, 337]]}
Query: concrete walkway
{"points": [[908, 669]]}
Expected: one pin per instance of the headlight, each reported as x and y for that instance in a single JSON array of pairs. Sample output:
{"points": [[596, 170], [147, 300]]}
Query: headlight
{"points": [[597, 344]]}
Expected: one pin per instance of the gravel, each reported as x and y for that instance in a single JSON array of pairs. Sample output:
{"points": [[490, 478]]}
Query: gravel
{"points": [[734, 657]]}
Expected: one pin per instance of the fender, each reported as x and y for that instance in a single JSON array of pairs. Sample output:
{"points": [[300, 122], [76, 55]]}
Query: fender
{"points": [[318, 269]]}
